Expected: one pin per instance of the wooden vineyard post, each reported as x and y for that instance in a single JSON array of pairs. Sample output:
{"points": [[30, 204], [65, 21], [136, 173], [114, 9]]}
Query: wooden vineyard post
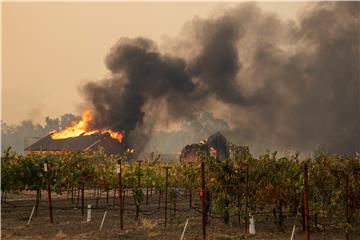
{"points": [[49, 190], [72, 195], [306, 203], [203, 197], [237, 171], [97, 195], [190, 190], [123, 197], [82, 199], [246, 198], [114, 194], [107, 195], [119, 172], [316, 214], [139, 185], [78, 196], [159, 200], [37, 202], [174, 202], [166, 191], [348, 222]]}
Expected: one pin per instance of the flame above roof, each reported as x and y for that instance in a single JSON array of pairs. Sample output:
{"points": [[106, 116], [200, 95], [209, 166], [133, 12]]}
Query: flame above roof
{"points": [[79, 143]]}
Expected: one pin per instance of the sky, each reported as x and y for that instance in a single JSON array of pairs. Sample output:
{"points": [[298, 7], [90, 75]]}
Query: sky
{"points": [[50, 49]]}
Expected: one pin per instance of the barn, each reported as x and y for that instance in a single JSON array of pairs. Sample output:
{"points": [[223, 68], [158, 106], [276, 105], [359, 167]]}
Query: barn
{"points": [[80, 143]]}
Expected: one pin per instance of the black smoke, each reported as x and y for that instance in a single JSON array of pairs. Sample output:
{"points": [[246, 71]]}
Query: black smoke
{"points": [[289, 83], [140, 74]]}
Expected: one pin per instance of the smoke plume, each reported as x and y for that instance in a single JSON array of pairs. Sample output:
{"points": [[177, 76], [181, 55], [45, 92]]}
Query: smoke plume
{"points": [[288, 83]]}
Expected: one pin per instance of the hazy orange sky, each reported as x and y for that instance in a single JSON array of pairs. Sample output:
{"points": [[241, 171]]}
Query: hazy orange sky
{"points": [[49, 49]]}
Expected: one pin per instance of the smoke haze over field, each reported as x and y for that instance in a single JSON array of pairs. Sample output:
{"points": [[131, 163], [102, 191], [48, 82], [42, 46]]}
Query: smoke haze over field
{"points": [[286, 83], [261, 79]]}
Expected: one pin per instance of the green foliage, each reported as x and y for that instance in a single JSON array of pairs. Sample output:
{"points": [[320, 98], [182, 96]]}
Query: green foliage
{"points": [[138, 195], [267, 181]]}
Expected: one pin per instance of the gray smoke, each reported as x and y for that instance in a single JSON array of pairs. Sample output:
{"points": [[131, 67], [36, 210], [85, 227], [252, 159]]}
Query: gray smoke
{"points": [[288, 83]]}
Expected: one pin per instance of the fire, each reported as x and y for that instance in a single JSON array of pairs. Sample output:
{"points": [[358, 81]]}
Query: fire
{"points": [[82, 128]]}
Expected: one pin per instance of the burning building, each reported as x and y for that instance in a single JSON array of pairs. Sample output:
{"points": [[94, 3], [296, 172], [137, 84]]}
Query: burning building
{"points": [[81, 137], [263, 84], [80, 143], [215, 145]]}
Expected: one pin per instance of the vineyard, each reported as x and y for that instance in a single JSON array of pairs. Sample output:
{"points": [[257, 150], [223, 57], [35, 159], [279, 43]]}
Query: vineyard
{"points": [[221, 195]]}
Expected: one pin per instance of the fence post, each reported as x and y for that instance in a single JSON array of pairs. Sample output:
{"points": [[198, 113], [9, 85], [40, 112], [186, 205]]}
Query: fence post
{"points": [[49, 190], [82, 199], [114, 194], [347, 208], [190, 190], [139, 184], [37, 202], [306, 203], [237, 171], [97, 194], [246, 198], [72, 195], [107, 194], [166, 191], [119, 172]]}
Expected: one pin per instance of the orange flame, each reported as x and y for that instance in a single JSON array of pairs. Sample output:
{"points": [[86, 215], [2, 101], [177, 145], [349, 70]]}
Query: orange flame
{"points": [[82, 128]]}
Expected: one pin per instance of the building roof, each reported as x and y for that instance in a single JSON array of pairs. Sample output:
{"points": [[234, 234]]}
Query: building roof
{"points": [[216, 141], [80, 143]]}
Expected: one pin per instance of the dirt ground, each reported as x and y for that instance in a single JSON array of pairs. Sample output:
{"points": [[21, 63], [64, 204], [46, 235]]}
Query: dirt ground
{"points": [[70, 224]]}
